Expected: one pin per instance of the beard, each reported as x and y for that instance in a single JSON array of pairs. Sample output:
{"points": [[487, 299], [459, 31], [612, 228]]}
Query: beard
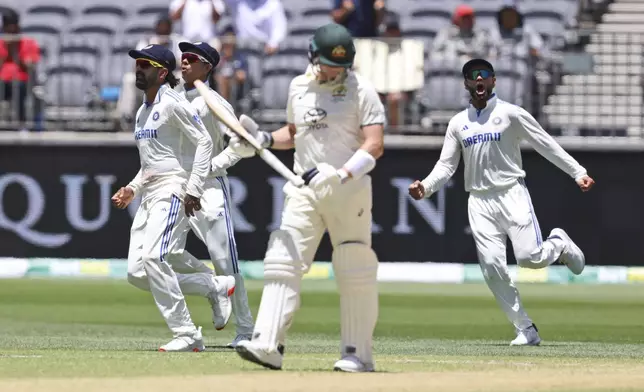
{"points": [[480, 90], [142, 82]]}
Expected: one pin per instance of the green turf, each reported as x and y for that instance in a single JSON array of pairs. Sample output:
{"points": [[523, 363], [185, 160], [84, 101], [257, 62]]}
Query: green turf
{"points": [[74, 328]]}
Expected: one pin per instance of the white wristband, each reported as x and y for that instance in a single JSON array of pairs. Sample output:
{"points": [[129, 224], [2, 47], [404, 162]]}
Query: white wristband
{"points": [[360, 164]]}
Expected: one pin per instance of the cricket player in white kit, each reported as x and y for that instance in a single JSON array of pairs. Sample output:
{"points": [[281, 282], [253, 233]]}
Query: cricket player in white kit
{"points": [[213, 224], [488, 135], [335, 123], [175, 151]]}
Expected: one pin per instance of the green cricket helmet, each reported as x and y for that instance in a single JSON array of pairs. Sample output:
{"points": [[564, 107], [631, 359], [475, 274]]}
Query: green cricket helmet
{"points": [[332, 45]]}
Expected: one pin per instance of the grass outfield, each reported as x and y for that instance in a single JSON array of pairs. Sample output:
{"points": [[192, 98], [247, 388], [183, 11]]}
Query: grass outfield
{"points": [[103, 335]]}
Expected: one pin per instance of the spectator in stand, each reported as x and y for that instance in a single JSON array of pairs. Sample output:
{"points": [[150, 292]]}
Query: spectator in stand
{"points": [[360, 17], [513, 38], [463, 40], [393, 100], [198, 19], [232, 71], [18, 58], [261, 21], [128, 100]]}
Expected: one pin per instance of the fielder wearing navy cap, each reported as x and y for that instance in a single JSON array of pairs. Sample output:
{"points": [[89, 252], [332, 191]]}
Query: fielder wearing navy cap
{"points": [[150, 61], [476, 64], [157, 53], [202, 49]]}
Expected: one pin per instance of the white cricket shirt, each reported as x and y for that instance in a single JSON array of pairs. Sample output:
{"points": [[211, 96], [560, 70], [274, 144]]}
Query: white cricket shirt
{"points": [[215, 128], [174, 147], [328, 118], [489, 140]]}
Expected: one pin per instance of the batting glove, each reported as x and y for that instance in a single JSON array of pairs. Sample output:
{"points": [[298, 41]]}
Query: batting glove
{"points": [[241, 146], [322, 175], [265, 139]]}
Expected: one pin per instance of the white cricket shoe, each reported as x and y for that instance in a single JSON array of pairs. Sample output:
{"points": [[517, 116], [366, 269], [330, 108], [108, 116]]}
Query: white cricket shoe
{"points": [[239, 338], [251, 351], [219, 300], [527, 337], [351, 364], [185, 343], [572, 257]]}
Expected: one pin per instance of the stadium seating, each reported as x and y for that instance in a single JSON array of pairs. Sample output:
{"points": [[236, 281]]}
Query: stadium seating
{"points": [[85, 45]]}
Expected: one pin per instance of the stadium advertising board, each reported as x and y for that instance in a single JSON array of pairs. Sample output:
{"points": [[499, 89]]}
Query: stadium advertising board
{"points": [[55, 203]]}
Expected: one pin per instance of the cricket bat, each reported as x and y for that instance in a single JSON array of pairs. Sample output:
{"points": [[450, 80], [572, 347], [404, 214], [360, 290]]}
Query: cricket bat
{"points": [[233, 124]]}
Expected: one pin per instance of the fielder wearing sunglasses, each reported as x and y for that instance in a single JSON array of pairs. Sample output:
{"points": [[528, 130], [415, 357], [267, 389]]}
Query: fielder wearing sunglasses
{"points": [[479, 82]]}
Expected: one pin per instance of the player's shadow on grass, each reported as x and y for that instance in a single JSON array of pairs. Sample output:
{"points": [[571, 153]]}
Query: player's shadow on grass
{"points": [[220, 348]]}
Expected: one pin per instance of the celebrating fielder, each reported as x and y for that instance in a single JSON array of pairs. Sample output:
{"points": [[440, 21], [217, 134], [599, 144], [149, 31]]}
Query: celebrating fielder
{"points": [[175, 151], [213, 224], [488, 135], [335, 123]]}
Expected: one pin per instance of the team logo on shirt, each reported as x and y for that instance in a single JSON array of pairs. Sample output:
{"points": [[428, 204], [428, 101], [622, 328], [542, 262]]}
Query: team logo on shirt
{"points": [[155, 116], [313, 119], [480, 138], [339, 93]]}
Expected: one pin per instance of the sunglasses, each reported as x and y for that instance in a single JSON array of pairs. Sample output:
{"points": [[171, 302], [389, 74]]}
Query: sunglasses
{"points": [[484, 73], [145, 64], [193, 58]]}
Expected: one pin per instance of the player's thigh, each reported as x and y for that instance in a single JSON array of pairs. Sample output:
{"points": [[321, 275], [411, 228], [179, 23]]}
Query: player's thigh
{"points": [[489, 235], [521, 222], [300, 232], [349, 218], [166, 230], [137, 238]]}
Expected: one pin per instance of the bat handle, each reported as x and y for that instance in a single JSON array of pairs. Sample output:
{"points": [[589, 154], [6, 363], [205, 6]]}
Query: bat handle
{"points": [[276, 164]]}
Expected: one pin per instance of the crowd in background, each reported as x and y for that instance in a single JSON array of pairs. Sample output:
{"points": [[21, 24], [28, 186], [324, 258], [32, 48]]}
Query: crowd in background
{"points": [[264, 22]]}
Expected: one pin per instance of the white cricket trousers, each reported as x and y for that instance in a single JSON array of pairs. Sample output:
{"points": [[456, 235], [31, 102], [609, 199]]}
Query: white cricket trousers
{"points": [[157, 239], [213, 225], [494, 216]]}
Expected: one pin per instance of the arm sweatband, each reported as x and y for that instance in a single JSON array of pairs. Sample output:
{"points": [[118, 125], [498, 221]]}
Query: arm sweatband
{"points": [[360, 164]]}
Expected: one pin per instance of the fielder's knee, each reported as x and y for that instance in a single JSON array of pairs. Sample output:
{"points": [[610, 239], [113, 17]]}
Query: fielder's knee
{"points": [[532, 260], [282, 260], [138, 279]]}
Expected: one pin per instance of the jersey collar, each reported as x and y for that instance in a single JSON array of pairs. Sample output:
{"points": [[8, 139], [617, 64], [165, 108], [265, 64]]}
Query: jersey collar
{"points": [[157, 99], [491, 103], [193, 93]]}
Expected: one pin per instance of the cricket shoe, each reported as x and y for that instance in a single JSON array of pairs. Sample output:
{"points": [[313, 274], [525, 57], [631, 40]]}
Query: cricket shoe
{"points": [[240, 337], [351, 364], [571, 256], [185, 343], [219, 299], [527, 337], [251, 351]]}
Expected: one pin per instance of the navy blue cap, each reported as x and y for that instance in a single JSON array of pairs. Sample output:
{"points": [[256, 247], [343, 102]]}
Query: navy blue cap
{"points": [[475, 63], [202, 49], [158, 53]]}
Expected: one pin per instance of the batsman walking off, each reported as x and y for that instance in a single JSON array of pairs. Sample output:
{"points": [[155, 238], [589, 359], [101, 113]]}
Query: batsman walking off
{"points": [[488, 135], [213, 224], [335, 123], [175, 151]]}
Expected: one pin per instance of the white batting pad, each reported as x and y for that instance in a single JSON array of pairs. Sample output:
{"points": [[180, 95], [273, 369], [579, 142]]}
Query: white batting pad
{"points": [[356, 271], [281, 295]]}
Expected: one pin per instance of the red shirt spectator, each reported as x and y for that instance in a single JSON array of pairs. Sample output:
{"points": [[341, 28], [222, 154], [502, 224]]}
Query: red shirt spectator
{"points": [[27, 52]]}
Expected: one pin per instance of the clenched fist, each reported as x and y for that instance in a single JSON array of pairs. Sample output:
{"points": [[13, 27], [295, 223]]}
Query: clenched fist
{"points": [[417, 190], [123, 197], [585, 183]]}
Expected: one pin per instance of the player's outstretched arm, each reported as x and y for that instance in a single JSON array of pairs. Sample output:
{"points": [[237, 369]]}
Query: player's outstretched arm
{"points": [[443, 170], [531, 131]]}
